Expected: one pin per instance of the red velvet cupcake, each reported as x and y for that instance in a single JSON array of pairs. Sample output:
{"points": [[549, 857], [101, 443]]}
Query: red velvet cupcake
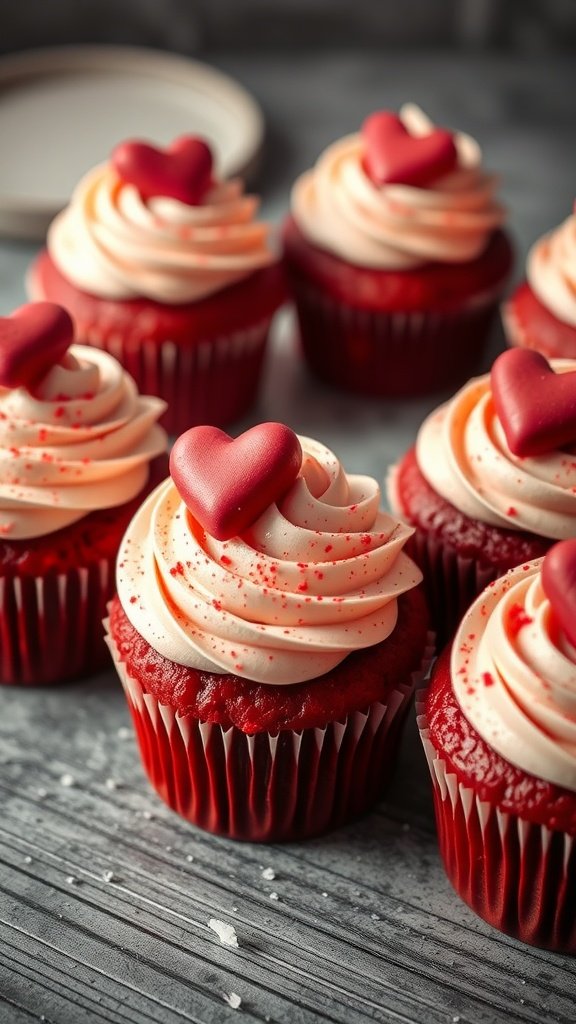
{"points": [[267, 634], [491, 482], [77, 444], [498, 725], [164, 266], [396, 257], [542, 311]]}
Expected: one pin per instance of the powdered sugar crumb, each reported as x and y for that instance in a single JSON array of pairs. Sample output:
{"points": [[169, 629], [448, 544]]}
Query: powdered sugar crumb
{"points": [[67, 780], [233, 1000], [274, 896], [225, 932], [269, 874], [108, 876]]}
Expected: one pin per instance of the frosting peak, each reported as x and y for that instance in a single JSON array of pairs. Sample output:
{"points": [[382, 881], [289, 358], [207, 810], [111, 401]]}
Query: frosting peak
{"points": [[113, 243], [82, 441], [315, 577], [551, 270], [463, 453], [393, 226], [514, 676]]}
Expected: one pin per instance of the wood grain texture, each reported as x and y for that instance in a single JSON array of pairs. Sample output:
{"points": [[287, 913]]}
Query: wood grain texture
{"points": [[365, 928]]}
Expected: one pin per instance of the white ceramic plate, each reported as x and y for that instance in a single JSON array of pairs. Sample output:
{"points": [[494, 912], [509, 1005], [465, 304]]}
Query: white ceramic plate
{"points": [[63, 110]]}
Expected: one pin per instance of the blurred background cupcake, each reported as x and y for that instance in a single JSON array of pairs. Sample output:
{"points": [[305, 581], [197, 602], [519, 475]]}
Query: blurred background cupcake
{"points": [[79, 449], [267, 632], [498, 724], [397, 257], [482, 497], [541, 314], [163, 265]]}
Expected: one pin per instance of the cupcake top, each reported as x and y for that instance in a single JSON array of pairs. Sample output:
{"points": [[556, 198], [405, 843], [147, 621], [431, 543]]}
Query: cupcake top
{"points": [[75, 436], [158, 224], [514, 666], [399, 194], [551, 270], [502, 449], [261, 557]]}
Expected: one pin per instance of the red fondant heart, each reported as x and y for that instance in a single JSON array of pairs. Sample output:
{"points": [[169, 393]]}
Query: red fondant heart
{"points": [[536, 407], [393, 156], [227, 482], [182, 171], [32, 340], [559, 583]]}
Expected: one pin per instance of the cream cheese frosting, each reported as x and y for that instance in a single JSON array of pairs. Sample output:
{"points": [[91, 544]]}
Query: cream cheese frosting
{"points": [[114, 244], [316, 577], [462, 452], [514, 676], [82, 441], [551, 271], [392, 226]]}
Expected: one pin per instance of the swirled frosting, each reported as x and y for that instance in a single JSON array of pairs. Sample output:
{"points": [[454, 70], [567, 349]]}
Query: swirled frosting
{"points": [[514, 676], [463, 454], [551, 270], [82, 441], [114, 244], [316, 577], [339, 208]]}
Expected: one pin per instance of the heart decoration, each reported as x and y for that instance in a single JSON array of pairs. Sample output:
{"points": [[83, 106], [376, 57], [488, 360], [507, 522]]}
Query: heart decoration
{"points": [[392, 156], [33, 339], [535, 405], [559, 583], [183, 171], [226, 482]]}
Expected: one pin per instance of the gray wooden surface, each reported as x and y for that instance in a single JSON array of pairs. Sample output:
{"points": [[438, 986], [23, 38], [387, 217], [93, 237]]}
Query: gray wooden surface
{"points": [[365, 926]]}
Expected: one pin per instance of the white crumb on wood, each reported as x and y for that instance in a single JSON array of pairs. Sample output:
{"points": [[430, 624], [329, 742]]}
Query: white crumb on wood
{"points": [[123, 733], [67, 780], [269, 874], [274, 896], [111, 784], [225, 932], [233, 1000], [108, 876], [71, 880], [27, 860], [42, 793], [189, 858]]}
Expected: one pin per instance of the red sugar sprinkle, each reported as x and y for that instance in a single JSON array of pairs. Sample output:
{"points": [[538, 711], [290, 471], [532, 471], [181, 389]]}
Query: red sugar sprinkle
{"points": [[225, 560], [177, 570], [366, 539], [133, 600], [59, 412], [512, 511], [517, 618], [487, 679], [328, 547], [217, 605], [303, 586]]}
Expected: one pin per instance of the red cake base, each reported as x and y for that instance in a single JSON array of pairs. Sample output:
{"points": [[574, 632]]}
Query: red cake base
{"points": [[203, 358], [269, 763], [53, 595], [394, 333], [530, 324], [458, 556], [507, 838]]}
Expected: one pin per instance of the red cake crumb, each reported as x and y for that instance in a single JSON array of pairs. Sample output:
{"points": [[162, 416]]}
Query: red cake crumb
{"points": [[227, 699], [478, 766], [531, 324]]}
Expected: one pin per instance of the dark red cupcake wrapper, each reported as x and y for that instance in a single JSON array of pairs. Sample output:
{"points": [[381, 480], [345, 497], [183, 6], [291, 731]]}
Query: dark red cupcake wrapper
{"points": [[265, 787], [210, 381], [391, 354], [518, 876], [51, 626]]}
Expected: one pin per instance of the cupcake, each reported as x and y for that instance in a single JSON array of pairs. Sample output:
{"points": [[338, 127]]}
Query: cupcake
{"points": [[542, 311], [79, 449], [396, 257], [267, 632], [498, 725], [163, 265], [491, 481]]}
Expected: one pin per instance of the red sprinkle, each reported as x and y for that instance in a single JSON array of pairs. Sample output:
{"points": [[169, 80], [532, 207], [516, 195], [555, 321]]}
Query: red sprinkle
{"points": [[517, 618], [488, 679]]}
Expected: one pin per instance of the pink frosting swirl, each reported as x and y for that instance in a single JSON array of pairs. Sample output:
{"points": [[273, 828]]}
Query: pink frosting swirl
{"points": [[514, 676], [339, 208], [114, 244], [463, 453], [316, 577], [83, 441], [551, 270]]}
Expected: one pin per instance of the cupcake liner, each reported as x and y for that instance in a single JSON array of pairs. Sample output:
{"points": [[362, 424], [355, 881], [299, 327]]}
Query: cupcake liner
{"points": [[391, 354], [214, 380], [518, 876], [266, 787], [50, 626]]}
